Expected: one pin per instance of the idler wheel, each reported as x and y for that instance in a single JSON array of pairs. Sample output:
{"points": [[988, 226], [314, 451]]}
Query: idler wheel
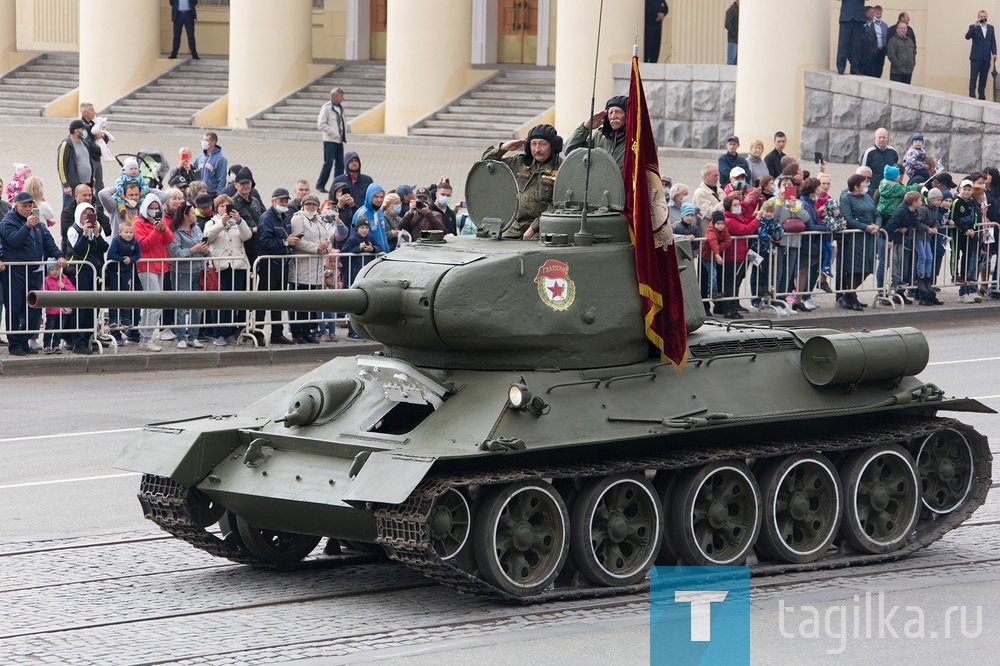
{"points": [[944, 462], [881, 498], [450, 521], [521, 537], [716, 514], [615, 529], [802, 507], [275, 546]]}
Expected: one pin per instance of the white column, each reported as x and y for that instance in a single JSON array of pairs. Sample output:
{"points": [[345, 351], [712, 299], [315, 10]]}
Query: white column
{"points": [[424, 66], [763, 109], [576, 40], [359, 29], [270, 48], [8, 32], [112, 64]]}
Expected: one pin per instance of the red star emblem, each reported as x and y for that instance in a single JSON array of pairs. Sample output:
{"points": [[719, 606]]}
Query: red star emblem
{"points": [[556, 289]]}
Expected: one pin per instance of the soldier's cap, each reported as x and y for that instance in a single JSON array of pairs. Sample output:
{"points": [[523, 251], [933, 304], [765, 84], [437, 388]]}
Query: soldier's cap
{"points": [[423, 192], [547, 133], [620, 101], [23, 197]]}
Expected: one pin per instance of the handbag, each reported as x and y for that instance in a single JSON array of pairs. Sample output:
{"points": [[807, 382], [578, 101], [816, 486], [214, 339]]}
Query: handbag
{"points": [[793, 225], [209, 280]]}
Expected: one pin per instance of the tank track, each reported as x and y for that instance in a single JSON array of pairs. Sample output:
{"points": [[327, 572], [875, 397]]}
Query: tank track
{"points": [[180, 511], [404, 531]]}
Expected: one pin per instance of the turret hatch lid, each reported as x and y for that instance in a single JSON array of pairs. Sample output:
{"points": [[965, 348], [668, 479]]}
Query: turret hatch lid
{"points": [[607, 189], [491, 195]]}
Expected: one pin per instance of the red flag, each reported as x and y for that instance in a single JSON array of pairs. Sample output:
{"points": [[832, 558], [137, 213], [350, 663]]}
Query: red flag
{"points": [[646, 209]]}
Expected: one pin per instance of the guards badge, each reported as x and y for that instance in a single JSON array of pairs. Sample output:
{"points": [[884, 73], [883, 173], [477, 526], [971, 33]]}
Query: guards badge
{"points": [[554, 286]]}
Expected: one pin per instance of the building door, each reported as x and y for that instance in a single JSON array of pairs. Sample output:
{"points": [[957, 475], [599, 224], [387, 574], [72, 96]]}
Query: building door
{"points": [[377, 42], [518, 39]]}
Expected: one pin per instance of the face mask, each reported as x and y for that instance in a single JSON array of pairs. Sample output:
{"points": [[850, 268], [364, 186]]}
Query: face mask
{"points": [[397, 209], [444, 200], [308, 214], [281, 209], [85, 134], [736, 210], [867, 184], [204, 144]]}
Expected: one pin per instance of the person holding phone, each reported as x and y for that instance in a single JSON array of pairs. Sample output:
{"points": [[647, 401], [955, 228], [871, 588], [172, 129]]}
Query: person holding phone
{"points": [[307, 269], [226, 233], [184, 167], [24, 237], [982, 54]]}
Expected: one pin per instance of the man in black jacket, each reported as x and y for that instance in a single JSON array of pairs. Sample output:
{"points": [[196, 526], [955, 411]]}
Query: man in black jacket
{"points": [[273, 239], [656, 11], [732, 32], [183, 13]]}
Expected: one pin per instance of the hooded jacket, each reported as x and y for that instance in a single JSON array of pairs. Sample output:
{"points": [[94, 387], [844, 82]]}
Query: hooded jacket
{"points": [[357, 184], [81, 246], [374, 215], [212, 168], [152, 243]]}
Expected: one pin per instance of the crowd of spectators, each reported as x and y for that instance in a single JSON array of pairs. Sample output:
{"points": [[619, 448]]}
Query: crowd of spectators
{"points": [[751, 213], [202, 228]]}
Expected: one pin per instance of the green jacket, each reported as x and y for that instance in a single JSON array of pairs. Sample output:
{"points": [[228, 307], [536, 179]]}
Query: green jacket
{"points": [[902, 54], [534, 181], [614, 144]]}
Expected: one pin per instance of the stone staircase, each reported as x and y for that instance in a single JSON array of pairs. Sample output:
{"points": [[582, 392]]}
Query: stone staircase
{"points": [[175, 97], [364, 88], [495, 109], [27, 89]]}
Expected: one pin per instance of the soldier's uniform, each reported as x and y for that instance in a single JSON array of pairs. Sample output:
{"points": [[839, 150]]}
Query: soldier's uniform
{"points": [[602, 137], [534, 182]]}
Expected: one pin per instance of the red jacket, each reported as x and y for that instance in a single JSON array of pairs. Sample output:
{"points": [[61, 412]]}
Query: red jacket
{"points": [[715, 243], [153, 244], [744, 224]]}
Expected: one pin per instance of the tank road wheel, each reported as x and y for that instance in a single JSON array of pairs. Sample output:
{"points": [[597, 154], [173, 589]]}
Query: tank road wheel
{"points": [[717, 511], [615, 529], [881, 498], [450, 521], [520, 537], [802, 507], [275, 546], [944, 462]]}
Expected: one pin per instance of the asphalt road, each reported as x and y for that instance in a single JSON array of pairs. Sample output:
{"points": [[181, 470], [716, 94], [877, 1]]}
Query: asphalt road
{"points": [[59, 437]]}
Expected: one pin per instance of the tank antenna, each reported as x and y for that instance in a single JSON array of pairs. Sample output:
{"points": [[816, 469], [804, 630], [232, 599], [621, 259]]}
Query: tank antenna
{"points": [[584, 237]]}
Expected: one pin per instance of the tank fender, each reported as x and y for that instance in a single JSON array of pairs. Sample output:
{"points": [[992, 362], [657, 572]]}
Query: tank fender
{"points": [[185, 451], [388, 477]]}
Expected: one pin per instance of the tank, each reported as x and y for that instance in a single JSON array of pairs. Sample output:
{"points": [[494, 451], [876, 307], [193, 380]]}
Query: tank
{"points": [[515, 439]]}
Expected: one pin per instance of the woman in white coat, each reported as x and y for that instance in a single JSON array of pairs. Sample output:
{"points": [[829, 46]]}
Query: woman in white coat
{"points": [[225, 233]]}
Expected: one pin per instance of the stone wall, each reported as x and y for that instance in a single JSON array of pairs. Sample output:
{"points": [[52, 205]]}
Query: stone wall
{"points": [[842, 112], [691, 106]]}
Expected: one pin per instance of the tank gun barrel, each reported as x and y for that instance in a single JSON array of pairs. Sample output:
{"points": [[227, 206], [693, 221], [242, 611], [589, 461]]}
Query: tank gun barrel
{"points": [[353, 301]]}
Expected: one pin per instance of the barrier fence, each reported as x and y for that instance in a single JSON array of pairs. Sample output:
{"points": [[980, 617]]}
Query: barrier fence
{"points": [[108, 328], [780, 278]]}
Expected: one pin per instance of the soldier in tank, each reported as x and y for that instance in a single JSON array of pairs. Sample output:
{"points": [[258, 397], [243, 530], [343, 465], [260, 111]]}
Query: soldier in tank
{"points": [[535, 171], [610, 132]]}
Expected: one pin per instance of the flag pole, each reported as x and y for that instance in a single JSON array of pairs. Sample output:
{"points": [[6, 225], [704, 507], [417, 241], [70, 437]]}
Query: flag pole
{"points": [[584, 237]]}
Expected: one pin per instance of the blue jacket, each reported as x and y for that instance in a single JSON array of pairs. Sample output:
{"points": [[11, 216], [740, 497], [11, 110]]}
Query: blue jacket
{"points": [[983, 48], [374, 215], [214, 178], [272, 232], [23, 243], [352, 265], [727, 163]]}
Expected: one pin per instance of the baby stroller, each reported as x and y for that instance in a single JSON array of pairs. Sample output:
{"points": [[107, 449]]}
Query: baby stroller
{"points": [[153, 166]]}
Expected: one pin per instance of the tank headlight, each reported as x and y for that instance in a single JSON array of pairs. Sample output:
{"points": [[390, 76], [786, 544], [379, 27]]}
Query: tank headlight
{"points": [[519, 395], [521, 400]]}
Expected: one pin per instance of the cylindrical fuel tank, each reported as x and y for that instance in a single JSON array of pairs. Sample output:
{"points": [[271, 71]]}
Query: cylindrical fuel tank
{"points": [[845, 358]]}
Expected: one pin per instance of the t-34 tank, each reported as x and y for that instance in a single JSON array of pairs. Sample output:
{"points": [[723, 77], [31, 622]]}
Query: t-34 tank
{"points": [[515, 439]]}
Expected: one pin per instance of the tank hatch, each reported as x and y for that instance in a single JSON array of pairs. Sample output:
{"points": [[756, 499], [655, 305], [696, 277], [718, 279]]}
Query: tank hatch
{"points": [[492, 196], [607, 189]]}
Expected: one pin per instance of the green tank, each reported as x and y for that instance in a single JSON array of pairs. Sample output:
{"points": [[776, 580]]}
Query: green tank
{"points": [[515, 439]]}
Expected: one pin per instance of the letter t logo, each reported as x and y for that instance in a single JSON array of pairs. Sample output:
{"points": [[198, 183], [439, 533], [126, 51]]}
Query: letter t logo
{"points": [[701, 611]]}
